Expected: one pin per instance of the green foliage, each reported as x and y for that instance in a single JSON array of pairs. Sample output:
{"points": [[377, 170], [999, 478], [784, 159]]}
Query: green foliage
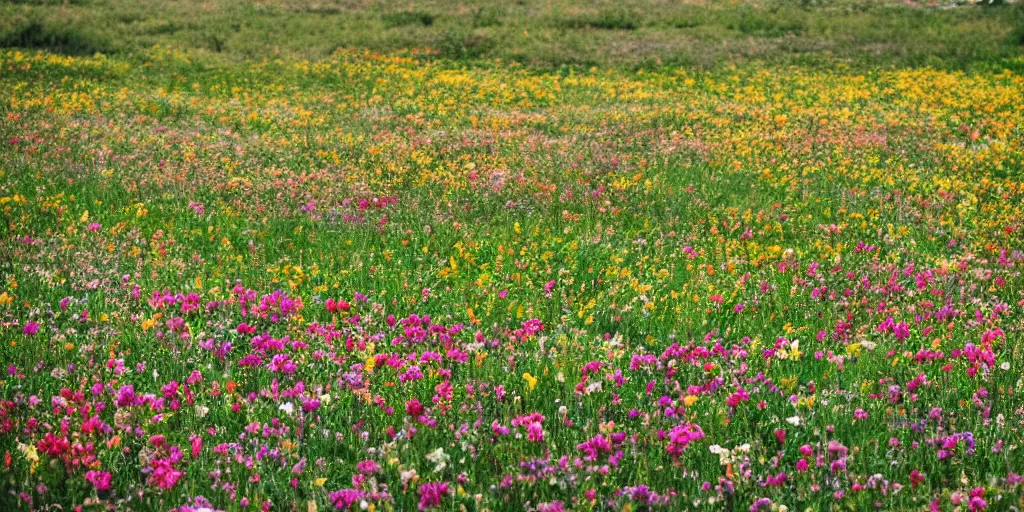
{"points": [[46, 34], [618, 18], [547, 34], [768, 24], [461, 44], [488, 16], [404, 18]]}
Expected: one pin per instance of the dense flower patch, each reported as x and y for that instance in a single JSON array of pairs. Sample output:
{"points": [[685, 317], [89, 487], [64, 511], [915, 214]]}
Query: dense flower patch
{"points": [[382, 283]]}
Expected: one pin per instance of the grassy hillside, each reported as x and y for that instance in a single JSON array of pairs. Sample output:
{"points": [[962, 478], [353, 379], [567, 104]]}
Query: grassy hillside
{"points": [[541, 33]]}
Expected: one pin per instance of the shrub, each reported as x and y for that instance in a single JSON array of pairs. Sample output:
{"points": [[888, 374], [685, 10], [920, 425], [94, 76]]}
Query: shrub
{"points": [[58, 37], [606, 19], [405, 18]]}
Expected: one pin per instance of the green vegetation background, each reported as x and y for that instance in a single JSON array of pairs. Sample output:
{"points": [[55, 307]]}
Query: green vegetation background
{"points": [[538, 33]]}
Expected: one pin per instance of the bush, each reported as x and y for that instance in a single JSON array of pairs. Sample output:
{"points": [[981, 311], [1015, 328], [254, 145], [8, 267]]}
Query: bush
{"points": [[404, 18], [606, 19], [756, 22], [58, 37], [487, 17], [464, 44]]}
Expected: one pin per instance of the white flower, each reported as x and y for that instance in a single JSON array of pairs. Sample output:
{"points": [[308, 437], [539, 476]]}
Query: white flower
{"points": [[287, 407], [439, 458], [794, 420], [406, 476], [1005, 366]]}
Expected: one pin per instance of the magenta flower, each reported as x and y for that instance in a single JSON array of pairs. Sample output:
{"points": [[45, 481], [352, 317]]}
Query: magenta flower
{"points": [[368, 467], [345, 498], [197, 445], [164, 475], [281, 363], [414, 407], [916, 477], [431, 494], [99, 479], [535, 432], [680, 437], [31, 328]]}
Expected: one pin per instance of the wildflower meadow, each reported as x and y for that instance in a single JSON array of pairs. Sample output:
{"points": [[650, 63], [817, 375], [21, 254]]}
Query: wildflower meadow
{"points": [[394, 281]]}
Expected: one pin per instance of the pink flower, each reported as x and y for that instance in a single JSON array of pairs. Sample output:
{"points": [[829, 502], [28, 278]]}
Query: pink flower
{"points": [[164, 475], [99, 479], [31, 328], [916, 477], [310, 404], [283, 364], [976, 504], [368, 467], [345, 498], [197, 445], [780, 436], [680, 437], [535, 432], [549, 286], [414, 407], [431, 494]]}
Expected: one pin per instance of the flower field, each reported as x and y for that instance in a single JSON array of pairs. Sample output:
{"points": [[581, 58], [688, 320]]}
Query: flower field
{"points": [[381, 281]]}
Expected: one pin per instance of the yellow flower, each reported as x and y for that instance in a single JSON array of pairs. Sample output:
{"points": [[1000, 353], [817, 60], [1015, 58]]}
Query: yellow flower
{"points": [[530, 380], [31, 455], [689, 400]]}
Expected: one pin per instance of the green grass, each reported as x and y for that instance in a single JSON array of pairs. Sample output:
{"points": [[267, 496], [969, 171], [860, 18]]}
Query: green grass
{"points": [[773, 221], [548, 34]]}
